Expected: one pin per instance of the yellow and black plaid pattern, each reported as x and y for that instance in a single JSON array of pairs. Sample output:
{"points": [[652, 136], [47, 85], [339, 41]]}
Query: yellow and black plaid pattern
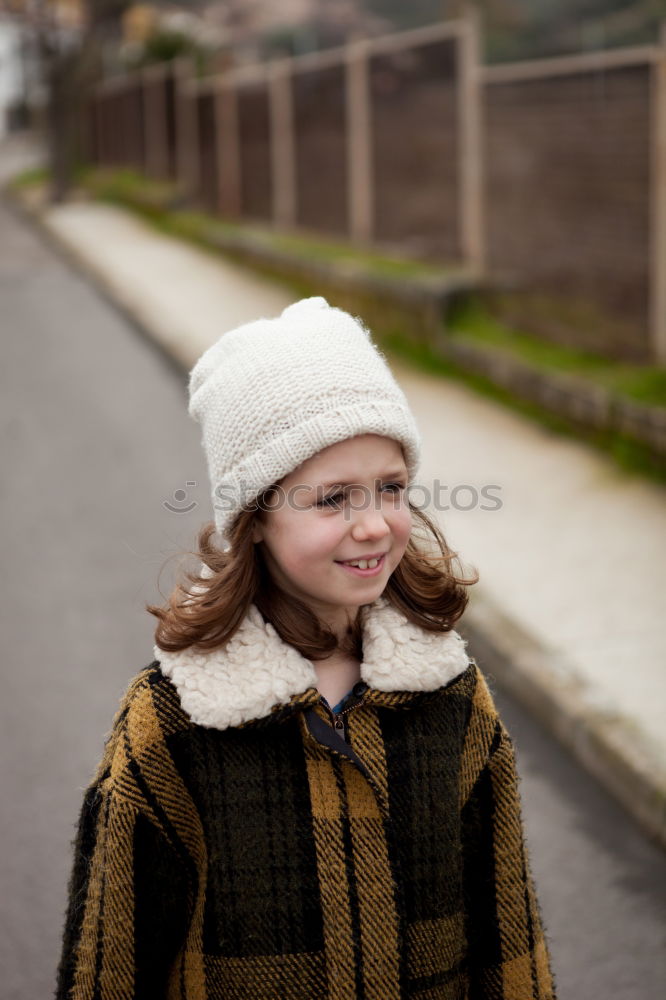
{"points": [[271, 861]]}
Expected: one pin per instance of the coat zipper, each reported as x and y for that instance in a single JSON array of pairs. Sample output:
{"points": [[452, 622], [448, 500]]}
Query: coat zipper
{"points": [[339, 717], [339, 722]]}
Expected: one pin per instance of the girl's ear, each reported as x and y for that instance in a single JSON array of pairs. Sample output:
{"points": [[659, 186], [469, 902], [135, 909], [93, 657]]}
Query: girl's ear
{"points": [[257, 534]]}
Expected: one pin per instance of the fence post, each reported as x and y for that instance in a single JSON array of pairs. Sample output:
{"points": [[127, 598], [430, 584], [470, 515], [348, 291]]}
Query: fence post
{"points": [[283, 162], [470, 139], [360, 175], [187, 150], [658, 205], [154, 116], [100, 120], [120, 99], [94, 152], [227, 147]]}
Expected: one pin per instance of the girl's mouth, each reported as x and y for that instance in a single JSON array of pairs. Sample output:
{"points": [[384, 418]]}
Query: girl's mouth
{"points": [[372, 566]]}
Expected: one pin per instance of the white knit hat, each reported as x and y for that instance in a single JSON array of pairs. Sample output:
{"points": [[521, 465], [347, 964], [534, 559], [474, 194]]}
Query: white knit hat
{"points": [[272, 393]]}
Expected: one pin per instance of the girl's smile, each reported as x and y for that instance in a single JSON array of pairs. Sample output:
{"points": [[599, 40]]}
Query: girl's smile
{"points": [[368, 566]]}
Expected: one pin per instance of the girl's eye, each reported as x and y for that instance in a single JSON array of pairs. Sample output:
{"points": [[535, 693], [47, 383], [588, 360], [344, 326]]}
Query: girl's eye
{"points": [[335, 501], [332, 501]]}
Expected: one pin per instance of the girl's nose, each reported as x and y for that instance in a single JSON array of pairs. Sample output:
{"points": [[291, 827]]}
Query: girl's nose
{"points": [[369, 523]]}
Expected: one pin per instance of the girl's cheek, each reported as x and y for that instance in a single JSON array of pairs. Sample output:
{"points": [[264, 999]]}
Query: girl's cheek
{"points": [[403, 524], [329, 532]]}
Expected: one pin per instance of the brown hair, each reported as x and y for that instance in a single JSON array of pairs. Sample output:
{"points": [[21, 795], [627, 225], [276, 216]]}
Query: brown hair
{"points": [[206, 610]]}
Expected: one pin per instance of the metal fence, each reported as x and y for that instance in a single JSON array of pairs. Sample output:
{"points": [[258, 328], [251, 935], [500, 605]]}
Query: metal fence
{"points": [[546, 179]]}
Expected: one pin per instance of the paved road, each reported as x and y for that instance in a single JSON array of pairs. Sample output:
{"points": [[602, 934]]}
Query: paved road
{"points": [[95, 438]]}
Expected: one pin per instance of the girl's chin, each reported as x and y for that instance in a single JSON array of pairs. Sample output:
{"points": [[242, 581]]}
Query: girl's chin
{"points": [[363, 592]]}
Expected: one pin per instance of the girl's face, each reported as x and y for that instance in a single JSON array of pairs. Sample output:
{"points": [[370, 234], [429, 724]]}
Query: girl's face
{"points": [[345, 503]]}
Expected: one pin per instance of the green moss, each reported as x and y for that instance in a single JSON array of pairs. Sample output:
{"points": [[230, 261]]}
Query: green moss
{"points": [[648, 385], [128, 186], [34, 177], [344, 253], [642, 383]]}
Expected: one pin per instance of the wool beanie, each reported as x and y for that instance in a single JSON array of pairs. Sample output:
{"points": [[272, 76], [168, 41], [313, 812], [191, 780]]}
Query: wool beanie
{"points": [[272, 393]]}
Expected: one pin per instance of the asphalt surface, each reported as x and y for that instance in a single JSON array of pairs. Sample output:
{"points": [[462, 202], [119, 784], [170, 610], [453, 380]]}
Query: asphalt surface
{"points": [[103, 481]]}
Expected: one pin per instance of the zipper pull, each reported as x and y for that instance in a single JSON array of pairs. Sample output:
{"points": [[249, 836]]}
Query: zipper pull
{"points": [[340, 727]]}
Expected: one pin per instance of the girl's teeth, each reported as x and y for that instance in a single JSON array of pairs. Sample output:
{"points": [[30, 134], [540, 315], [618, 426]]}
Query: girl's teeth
{"points": [[365, 563]]}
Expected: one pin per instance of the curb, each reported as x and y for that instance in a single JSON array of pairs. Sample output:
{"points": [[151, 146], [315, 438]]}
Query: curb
{"points": [[607, 745], [590, 407]]}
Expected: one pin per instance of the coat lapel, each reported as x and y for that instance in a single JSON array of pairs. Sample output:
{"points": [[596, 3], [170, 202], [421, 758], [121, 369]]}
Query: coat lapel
{"points": [[256, 672]]}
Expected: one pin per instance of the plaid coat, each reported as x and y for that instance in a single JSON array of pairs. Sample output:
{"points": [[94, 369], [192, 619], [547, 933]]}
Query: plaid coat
{"points": [[235, 844]]}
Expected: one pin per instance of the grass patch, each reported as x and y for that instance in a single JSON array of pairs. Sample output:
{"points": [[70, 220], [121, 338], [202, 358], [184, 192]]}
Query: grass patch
{"points": [[127, 187], [34, 177], [158, 197], [342, 253], [642, 383]]}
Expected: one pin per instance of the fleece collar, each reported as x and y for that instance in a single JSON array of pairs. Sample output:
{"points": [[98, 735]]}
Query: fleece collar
{"points": [[256, 671]]}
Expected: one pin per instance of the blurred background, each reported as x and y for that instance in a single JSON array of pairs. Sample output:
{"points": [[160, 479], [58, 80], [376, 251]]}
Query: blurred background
{"points": [[484, 184]]}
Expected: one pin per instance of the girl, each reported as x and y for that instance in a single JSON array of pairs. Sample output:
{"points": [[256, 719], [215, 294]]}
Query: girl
{"points": [[309, 792]]}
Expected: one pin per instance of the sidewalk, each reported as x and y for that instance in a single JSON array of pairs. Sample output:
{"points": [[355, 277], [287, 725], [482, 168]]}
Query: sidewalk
{"points": [[572, 594]]}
